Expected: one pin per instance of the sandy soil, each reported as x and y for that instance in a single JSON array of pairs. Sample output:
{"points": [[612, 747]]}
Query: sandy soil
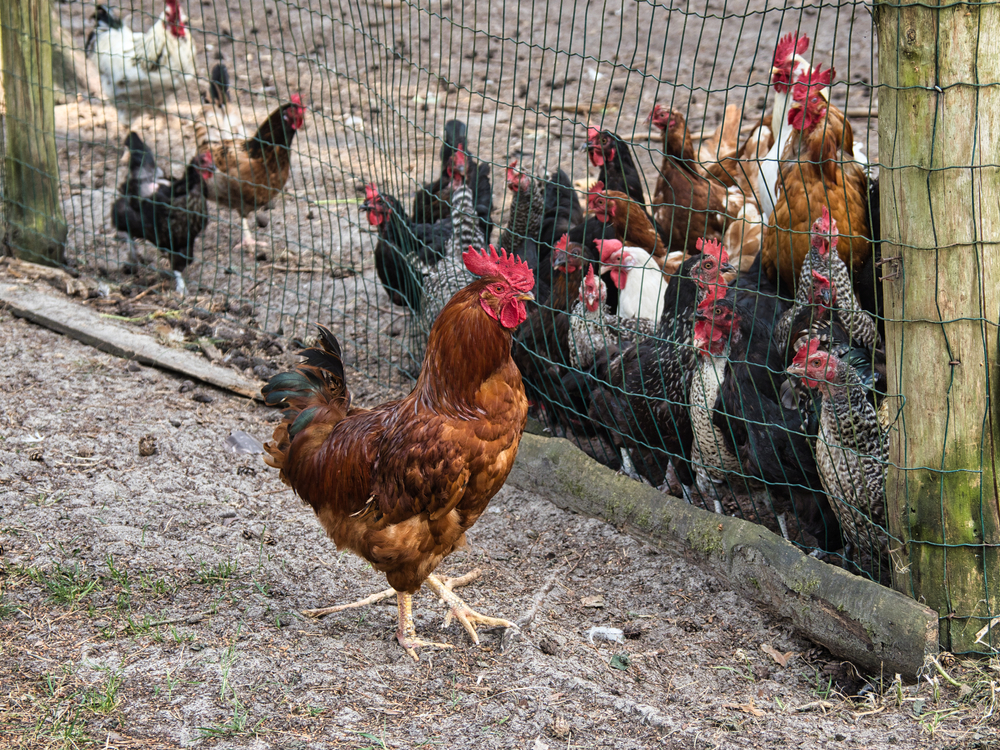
{"points": [[153, 601]]}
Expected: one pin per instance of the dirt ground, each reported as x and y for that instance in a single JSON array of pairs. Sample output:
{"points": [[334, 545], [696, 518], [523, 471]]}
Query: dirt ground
{"points": [[153, 601]]}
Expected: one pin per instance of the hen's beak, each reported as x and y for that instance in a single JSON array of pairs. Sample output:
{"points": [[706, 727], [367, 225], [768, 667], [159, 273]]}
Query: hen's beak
{"points": [[366, 206], [775, 71], [825, 93], [794, 369], [727, 268], [526, 297], [126, 155]]}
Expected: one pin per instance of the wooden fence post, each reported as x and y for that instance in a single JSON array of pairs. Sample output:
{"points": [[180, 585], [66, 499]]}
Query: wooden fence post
{"points": [[36, 229], [939, 144]]}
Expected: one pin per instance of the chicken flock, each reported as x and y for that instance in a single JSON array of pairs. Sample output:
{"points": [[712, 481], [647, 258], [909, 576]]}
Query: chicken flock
{"points": [[722, 340]]}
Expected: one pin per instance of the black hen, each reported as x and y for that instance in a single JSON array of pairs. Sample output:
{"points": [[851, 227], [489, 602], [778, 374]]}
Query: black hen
{"points": [[562, 210], [769, 438], [432, 202], [405, 251], [168, 213], [613, 157], [218, 85]]}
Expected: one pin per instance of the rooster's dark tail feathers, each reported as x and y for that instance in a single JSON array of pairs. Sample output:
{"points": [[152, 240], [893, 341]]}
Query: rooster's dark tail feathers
{"points": [[315, 389]]}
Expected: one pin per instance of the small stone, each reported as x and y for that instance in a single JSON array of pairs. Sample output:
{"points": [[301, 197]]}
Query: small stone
{"points": [[263, 221], [186, 386], [133, 366], [203, 398], [548, 646], [35, 454], [100, 624], [311, 215], [228, 513], [175, 422], [147, 445]]}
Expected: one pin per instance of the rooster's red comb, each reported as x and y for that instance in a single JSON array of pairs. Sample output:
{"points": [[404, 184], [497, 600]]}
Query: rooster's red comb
{"points": [[713, 248], [485, 262], [596, 188], [371, 191], [297, 100], [590, 274], [819, 279], [789, 46]]}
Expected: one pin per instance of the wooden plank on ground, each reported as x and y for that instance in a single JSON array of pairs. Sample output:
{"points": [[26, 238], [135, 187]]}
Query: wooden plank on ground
{"points": [[877, 628], [87, 326]]}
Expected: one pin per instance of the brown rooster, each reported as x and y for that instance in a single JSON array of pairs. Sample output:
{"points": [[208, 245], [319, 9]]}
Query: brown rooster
{"points": [[629, 219], [401, 483], [251, 172], [818, 171], [686, 205]]}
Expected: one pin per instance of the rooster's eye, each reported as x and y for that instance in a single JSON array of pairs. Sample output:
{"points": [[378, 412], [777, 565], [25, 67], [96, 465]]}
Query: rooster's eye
{"points": [[498, 288]]}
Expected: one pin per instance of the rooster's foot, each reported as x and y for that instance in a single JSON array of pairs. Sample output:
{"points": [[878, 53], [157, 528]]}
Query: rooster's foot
{"points": [[461, 611], [353, 605], [406, 634]]}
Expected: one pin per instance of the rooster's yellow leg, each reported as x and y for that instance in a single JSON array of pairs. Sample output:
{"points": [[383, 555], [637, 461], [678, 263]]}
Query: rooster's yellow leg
{"points": [[341, 607], [407, 632], [461, 611], [247, 241]]}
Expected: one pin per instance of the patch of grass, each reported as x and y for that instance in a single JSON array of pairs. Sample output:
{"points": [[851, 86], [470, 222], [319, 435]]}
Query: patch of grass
{"points": [[368, 736], [105, 699], [211, 576], [65, 584]]}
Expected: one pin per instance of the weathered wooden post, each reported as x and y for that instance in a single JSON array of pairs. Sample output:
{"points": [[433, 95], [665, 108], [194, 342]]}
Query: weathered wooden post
{"points": [[939, 144], [36, 229]]}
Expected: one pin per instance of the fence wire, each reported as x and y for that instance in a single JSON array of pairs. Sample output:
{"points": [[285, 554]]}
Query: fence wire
{"points": [[550, 97]]}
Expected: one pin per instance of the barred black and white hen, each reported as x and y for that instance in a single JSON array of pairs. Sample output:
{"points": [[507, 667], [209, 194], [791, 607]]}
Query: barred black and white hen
{"points": [[524, 216], [449, 275], [852, 451], [593, 330]]}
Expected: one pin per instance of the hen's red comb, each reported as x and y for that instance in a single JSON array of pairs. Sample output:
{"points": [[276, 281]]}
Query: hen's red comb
{"points": [[811, 84], [607, 248], [371, 191], [592, 133], [808, 349], [297, 101], [597, 187], [824, 229], [713, 248], [515, 271], [819, 278], [563, 242]]}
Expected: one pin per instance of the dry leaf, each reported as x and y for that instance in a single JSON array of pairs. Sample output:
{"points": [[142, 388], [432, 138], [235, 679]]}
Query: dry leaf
{"points": [[779, 657], [748, 708], [594, 602]]}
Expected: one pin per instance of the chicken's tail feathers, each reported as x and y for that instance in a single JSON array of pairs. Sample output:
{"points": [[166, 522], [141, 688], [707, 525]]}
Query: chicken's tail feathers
{"points": [[314, 394], [313, 387]]}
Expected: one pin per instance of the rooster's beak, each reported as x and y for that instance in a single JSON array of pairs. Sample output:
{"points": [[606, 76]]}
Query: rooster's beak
{"points": [[126, 155], [526, 297], [775, 71], [825, 93]]}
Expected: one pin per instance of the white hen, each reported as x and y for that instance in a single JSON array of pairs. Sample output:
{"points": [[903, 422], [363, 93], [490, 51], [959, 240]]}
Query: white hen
{"points": [[140, 69], [639, 279]]}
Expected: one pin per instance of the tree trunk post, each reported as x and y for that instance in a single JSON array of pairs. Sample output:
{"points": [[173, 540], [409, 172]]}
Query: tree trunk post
{"points": [[939, 137], [36, 229]]}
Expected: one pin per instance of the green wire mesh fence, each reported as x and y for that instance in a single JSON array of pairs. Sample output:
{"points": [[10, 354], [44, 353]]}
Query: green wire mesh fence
{"points": [[551, 97]]}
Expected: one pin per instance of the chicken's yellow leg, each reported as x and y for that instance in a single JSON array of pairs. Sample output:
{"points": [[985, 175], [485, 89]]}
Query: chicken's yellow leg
{"points": [[461, 611], [407, 632]]}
